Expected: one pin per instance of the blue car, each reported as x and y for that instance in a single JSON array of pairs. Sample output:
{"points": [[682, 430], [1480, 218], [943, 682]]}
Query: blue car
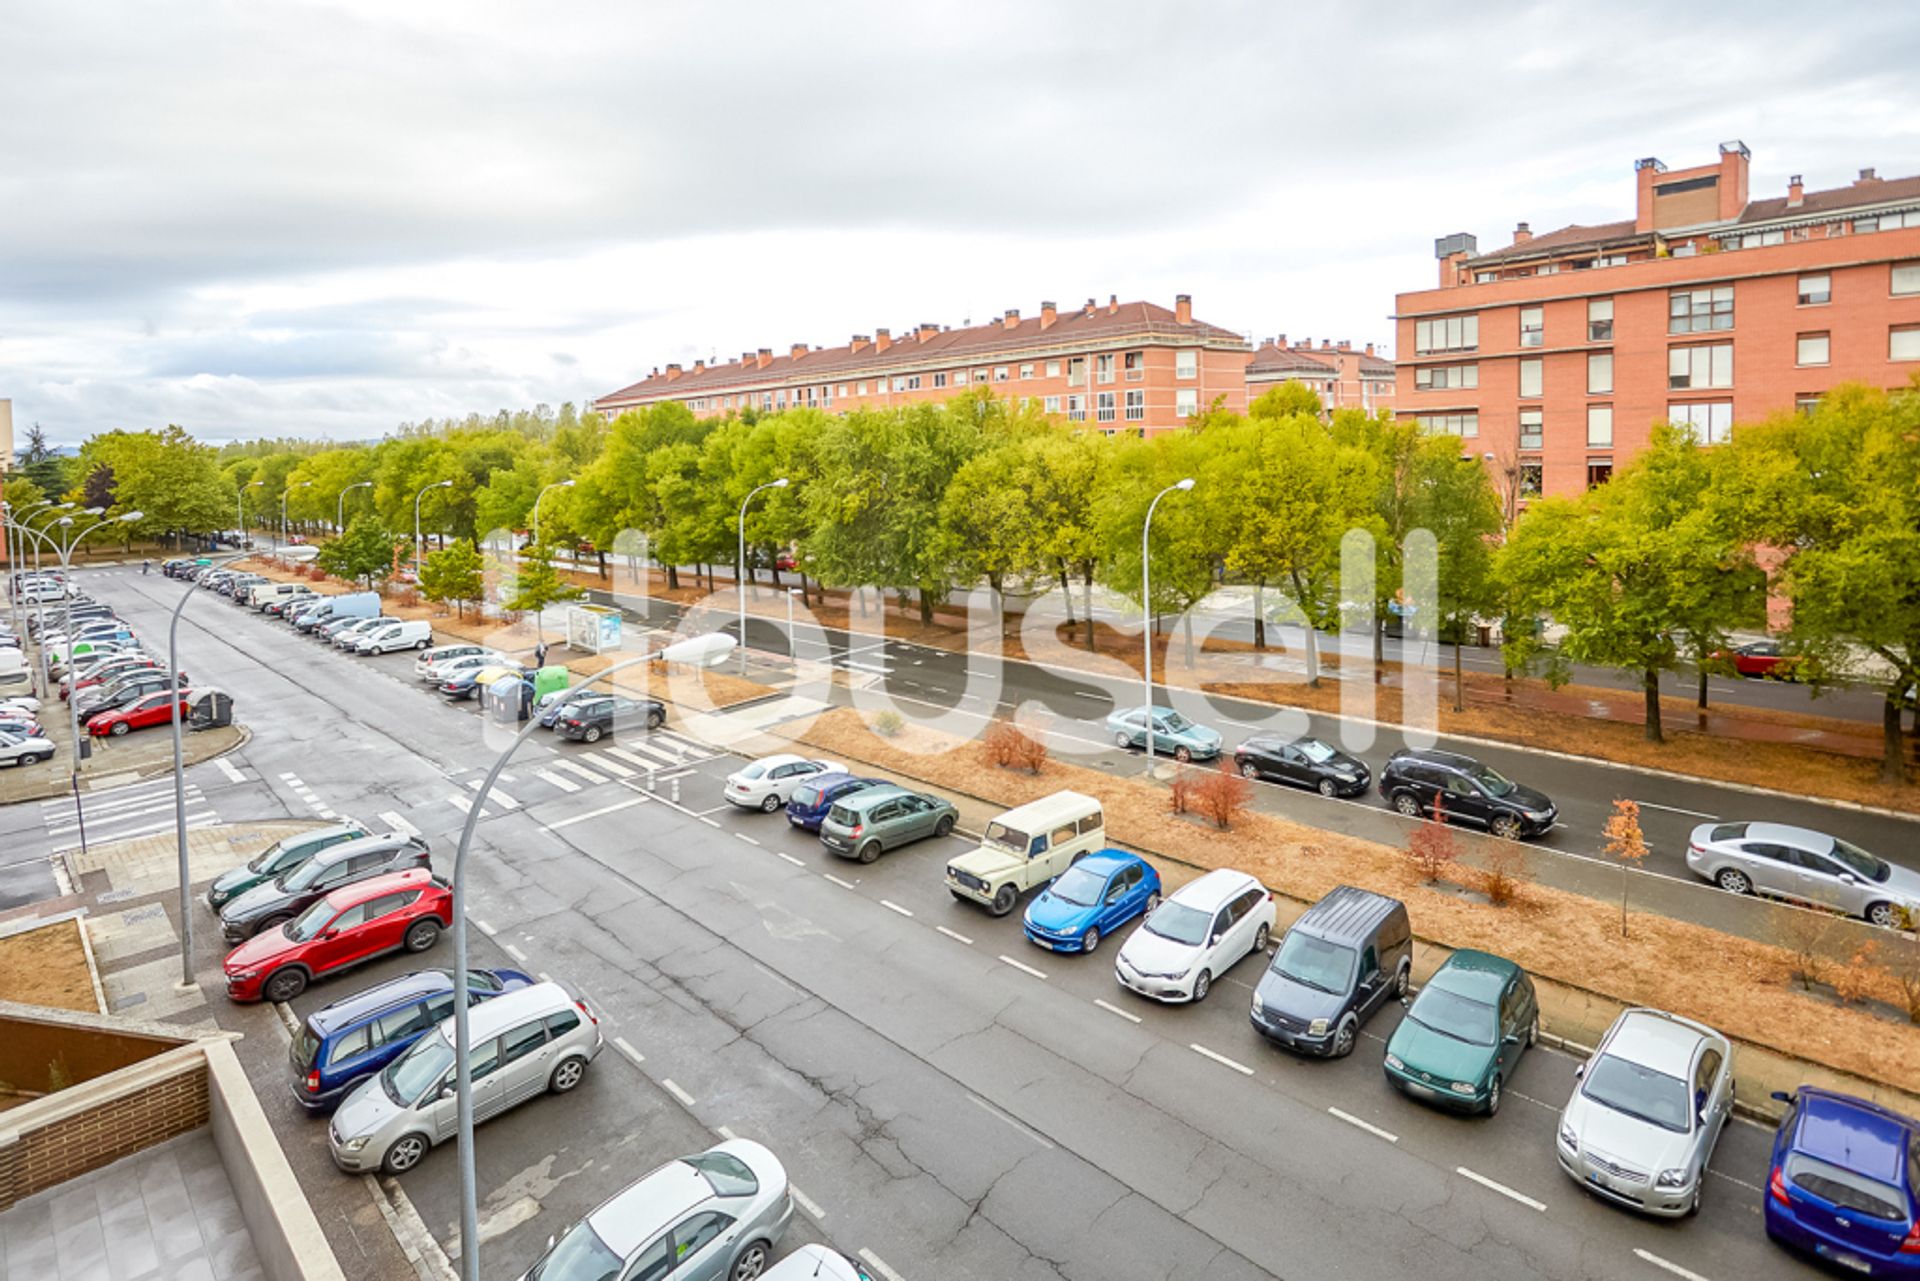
{"points": [[1092, 899], [1842, 1183], [813, 798], [343, 1044]]}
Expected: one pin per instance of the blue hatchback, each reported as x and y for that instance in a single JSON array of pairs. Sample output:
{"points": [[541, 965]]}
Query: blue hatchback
{"points": [[344, 1043], [813, 798], [1842, 1183], [1092, 899]]}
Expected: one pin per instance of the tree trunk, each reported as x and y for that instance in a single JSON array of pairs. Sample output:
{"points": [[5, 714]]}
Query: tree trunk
{"points": [[1650, 683], [926, 607], [1066, 594], [1703, 689], [1313, 634], [1893, 760], [1458, 694], [1086, 601], [994, 582], [604, 571], [1259, 616], [1379, 650], [1186, 633], [673, 578]]}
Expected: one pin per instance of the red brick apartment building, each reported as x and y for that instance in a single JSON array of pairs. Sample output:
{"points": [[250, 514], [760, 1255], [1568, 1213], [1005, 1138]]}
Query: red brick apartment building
{"points": [[1119, 367], [1554, 356], [1343, 378]]}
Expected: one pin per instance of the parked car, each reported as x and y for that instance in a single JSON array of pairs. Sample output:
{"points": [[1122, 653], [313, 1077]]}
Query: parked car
{"points": [[279, 605], [21, 724], [588, 720], [24, 749], [1196, 935], [1091, 901], [552, 705], [286, 896], [768, 783], [1646, 1111], [124, 692], [344, 1043], [349, 636], [277, 860], [1173, 734], [536, 1040], [107, 671], [868, 823], [144, 712], [812, 799], [1844, 1183], [440, 658], [348, 925], [464, 685], [415, 633], [1416, 780], [1464, 1034], [1025, 847], [817, 1263], [1304, 762], [717, 1214], [1805, 866], [1336, 967], [1760, 659], [25, 704]]}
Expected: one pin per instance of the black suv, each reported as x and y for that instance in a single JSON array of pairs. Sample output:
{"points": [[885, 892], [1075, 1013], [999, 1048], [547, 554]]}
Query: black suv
{"points": [[591, 718], [1470, 792], [278, 901]]}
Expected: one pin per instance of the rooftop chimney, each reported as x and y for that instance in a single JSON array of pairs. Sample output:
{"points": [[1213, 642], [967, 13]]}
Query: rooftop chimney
{"points": [[1866, 176], [1453, 252], [673, 372], [859, 343], [1088, 309], [798, 350], [1012, 319], [699, 366], [1183, 308], [927, 330], [1048, 314], [746, 358], [1369, 349], [882, 339], [763, 357], [1343, 345], [1113, 303], [1281, 341], [1522, 233]]}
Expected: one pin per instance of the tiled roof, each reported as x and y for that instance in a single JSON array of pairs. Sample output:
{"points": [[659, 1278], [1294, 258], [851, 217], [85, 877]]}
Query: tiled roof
{"points": [[1071, 329], [1375, 364], [1566, 238], [1273, 359]]}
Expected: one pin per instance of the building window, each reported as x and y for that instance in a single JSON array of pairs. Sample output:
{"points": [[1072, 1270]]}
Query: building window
{"points": [[1077, 372], [1449, 424], [843, 396], [1692, 368], [1103, 368], [1599, 472], [1186, 402], [1811, 349], [940, 379], [1053, 404], [1053, 369], [1531, 479], [1599, 373], [1531, 428], [766, 401], [1077, 409], [1600, 320], [1103, 407], [1806, 402], [1186, 364], [1136, 365], [1532, 373], [1699, 311], [1755, 239], [1136, 406], [1711, 421], [1442, 377], [1001, 373], [1815, 290], [1904, 343], [981, 375], [1533, 326], [1026, 373], [1599, 426], [1447, 333], [1906, 278]]}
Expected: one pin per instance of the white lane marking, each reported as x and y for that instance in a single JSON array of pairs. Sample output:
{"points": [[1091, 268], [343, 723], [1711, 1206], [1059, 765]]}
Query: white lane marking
{"points": [[679, 773], [895, 907], [495, 794], [620, 1044], [548, 776], [790, 858], [1088, 693], [1025, 1129], [686, 1100], [704, 819], [226, 767], [1501, 1188], [605, 809], [775, 977], [1241, 1068], [1686, 1273], [958, 938], [1022, 967], [515, 953], [659, 757], [612, 767], [580, 772], [878, 1264], [1675, 809], [845, 885], [285, 778], [482, 926], [806, 1202], [101, 823], [742, 836], [398, 822], [730, 1136], [1114, 1009], [1375, 1130], [543, 976], [1751, 1187], [119, 834]]}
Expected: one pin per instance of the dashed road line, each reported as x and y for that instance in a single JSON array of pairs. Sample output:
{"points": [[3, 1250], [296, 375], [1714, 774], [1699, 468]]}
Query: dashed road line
{"points": [[775, 977], [543, 976], [1501, 1188], [226, 767], [1021, 1126], [667, 1084], [605, 809], [495, 795], [1687, 1274], [958, 938], [1022, 966], [633, 1055], [1219, 1058], [483, 927], [704, 819], [1114, 1009], [895, 907], [806, 1202], [797, 862], [845, 885], [730, 1137], [1370, 1128], [879, 1265], [742, 836], [515, 953], [1751, 1187], [1675, 809]]}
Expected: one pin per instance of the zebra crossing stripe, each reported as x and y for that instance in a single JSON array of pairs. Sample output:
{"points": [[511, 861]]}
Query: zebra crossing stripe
{"points": [[561, 783], [579, 771], [615, 768], [399, 824], [94, 836], [660, 757]]}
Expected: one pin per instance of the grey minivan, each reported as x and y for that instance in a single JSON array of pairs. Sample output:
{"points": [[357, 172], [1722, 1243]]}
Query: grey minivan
{"points": [[1333, 970], [864, 823], [533, 1041]]}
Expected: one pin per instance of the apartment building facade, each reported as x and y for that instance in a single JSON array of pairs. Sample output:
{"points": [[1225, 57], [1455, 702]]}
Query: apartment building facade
{"points": [[1554, 356], [1341, 375], [1116, 367]]}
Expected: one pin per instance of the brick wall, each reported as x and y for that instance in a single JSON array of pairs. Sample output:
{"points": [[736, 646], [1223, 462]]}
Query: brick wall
{"points": [[159, 1099]]}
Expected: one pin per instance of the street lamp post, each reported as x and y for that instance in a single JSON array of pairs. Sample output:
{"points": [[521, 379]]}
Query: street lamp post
{"points": [[285, 493], [558, 484], [240, 509], [1146, 603], [39, 601], [73, 703], [740, 575], [340, 505], [438, 484], [709, 650]]}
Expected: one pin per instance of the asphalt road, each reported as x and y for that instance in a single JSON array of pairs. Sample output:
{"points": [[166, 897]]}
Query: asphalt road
{"points": [[947, 1097]]}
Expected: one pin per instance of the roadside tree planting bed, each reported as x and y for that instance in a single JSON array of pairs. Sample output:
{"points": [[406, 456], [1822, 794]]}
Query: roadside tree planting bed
{"points": [[47, 966]]}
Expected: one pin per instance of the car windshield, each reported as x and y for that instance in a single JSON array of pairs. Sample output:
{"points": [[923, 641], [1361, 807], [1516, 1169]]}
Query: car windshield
{"points": [[1315, 750], [1006, 838], [1845, 1188], [411, 1075], [266, 858], [1451, 1014], [306, 874], [308, 923], [1728, 832], [1180, 923], [1638, 1091], [1307, 959], [1495, 783], [1858, 861], [1175, 723], [579, 1256], [1079, 887], [726, 1175]]}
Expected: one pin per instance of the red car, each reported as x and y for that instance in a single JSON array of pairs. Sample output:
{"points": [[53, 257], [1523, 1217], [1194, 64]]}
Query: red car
{"points": [[1759, 658], [355, 923], [141, 713], [785, 562], [111, 670]]}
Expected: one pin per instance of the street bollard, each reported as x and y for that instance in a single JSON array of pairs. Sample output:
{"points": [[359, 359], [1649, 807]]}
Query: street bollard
{"points": [[676, 791], [653, 782]]}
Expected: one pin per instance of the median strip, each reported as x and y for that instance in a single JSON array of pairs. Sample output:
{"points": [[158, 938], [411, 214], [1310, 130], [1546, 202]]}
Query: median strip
{"points": [[1499, 1187], [1241, 1068]]}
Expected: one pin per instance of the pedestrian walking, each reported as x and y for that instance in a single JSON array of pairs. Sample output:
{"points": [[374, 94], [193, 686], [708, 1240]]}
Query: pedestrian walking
{"points": [[145, 566], [540, 654]]}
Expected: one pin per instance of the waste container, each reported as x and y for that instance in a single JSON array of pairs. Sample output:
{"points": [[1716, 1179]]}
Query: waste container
{"points": [[510, 699], [210, 709]]}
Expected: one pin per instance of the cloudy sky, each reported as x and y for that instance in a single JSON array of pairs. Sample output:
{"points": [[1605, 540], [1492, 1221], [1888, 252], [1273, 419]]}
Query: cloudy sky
{"points": [[327, 219]]}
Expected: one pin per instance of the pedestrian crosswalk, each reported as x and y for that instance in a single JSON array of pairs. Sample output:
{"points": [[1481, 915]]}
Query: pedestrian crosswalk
{"points": [[637, 758], [139, 809]]}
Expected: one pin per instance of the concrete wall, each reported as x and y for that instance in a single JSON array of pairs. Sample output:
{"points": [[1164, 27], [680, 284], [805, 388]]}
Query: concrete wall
{"points": [[286, 1235]]}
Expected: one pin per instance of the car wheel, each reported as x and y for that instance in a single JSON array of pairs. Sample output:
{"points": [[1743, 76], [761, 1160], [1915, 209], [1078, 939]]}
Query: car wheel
{"points": [[1182, 754], [868, 852], [119, 728], [422, 644], [656, 719], [284, 985], [1533, 1032], [404, 1154], [1122, 740], [1699, 1194], [1344, 1037], [1885, 915], [567, 1074], [28, 758], [1260, 937], [592, 735], [770, 804], [422, 935], [1407, 803], [1090, 941], [1493, 1098], [1249, 770], [1153, 901], [1733, 881], [1506, 827], [1327, 788], [944, 827], [751, 1263], [1004, 899], [1202, 984]]}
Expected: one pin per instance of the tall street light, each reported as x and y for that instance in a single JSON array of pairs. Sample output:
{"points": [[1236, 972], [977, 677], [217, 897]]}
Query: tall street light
{"points": [[438, 484], [240, 510], [1146, 603], [284, 494], [73, 703], [709, 650], [740, 575], [558, 484], [340, 505]]}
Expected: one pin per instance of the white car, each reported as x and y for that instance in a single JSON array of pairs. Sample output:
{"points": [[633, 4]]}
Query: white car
{"points": [[1647, 1111], [1197, 934], [1805, 866], [816, 1261], [438, 662], [21, 703], [768, 783], [23, 749]]}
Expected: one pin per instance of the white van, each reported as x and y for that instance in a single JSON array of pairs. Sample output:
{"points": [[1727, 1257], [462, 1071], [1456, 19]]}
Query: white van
{"points": [[260, 593], [414, 633], [1026, 847]]}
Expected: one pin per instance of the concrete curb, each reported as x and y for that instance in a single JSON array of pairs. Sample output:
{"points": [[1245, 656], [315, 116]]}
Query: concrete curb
{"points": [[410, 1233]]}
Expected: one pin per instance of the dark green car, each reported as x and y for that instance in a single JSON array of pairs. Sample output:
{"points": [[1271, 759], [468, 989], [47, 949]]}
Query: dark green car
{"points": [[1464, 1034], [277, 860], [863, 823]]}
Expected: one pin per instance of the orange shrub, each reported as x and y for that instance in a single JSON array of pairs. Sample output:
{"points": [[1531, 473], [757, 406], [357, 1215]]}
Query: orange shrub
{"points": [[1222, 795]]}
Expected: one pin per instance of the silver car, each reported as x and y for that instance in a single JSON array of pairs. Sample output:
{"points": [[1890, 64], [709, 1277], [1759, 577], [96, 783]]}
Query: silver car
{"points": [[714, 1216], [533, 1041], [1646, 1112], [1805, 866]]}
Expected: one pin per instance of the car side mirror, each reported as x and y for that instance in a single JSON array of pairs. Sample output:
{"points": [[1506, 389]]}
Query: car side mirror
{"points": [[1511, 1038], [1579, 1071], [446, 1091], [551, 1241], [1782, 1096], [1406, 1002], [1215, 938], [323, 936]]}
